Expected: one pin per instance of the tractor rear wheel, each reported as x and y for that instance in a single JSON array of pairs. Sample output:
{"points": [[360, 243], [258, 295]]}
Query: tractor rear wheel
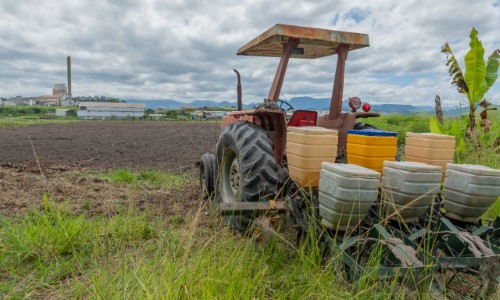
{"points": [[247, 169]]}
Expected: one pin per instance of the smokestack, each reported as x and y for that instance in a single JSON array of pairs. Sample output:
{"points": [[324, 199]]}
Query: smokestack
{"points": [[69, 76]]}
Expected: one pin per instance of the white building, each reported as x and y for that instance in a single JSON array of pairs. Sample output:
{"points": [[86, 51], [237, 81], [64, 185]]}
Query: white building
{"points": [[205, 114], [62, 112], [110, 110]]}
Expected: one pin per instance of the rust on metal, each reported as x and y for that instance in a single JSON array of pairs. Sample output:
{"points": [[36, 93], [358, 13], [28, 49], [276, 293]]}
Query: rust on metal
{"points": [[274, 121], [274, 92], [338, 84], [252, 207], [342, 124], [280, 137], [316, 42]]}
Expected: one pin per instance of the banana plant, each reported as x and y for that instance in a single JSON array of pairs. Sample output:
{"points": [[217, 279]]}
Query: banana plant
{"points": [[455, 128], [479, 75]]}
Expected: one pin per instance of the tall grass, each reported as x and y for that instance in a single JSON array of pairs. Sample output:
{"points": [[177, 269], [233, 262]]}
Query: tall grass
{"points": [[53, 253]]}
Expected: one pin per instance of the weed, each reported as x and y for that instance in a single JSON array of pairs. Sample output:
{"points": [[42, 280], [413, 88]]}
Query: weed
{"points": [[121, 176], [177, 220], [154, 179], [160, 179], [87, 204]]}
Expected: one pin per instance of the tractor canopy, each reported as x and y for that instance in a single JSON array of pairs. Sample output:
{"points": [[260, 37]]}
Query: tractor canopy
{"points": [[312, 42], [291, 41]]}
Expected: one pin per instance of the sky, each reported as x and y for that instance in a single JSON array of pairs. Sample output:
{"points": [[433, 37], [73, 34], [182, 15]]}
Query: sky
{"points": [[185, 50]]}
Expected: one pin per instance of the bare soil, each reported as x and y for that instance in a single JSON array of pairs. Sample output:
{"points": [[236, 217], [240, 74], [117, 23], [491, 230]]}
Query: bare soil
{"points": [[52, 160], [175, 146]]}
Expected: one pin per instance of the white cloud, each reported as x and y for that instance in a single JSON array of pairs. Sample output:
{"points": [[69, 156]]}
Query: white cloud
{"points": [[186, 49]]}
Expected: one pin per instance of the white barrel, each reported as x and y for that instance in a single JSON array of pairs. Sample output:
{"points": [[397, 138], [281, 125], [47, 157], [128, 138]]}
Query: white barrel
{"points": [[346, 193], [469, 190], [408, 188]]}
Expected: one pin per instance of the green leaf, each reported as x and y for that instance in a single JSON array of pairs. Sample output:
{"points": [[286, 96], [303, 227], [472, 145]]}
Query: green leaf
{"points": [[457, 129], [460, 146], [492, 68], [434, 125], [475, 69]]}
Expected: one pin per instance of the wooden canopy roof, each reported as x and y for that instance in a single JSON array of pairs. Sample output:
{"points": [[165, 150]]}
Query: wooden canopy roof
{"points": [[315, 42]]}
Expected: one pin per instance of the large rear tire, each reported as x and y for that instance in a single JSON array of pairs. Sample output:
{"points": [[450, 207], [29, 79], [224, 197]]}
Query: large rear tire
{"points": [[247, 169]]}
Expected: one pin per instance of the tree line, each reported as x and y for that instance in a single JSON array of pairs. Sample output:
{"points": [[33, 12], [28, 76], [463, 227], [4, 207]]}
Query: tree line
{"points": [[97, 99]]}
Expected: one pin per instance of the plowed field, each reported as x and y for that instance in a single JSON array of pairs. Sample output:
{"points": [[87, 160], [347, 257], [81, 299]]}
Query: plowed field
{"points": [[53, 160]]}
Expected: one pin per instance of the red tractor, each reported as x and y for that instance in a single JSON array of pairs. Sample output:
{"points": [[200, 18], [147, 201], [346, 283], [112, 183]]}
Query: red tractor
{"points": [[249, 180], [249, 161]]}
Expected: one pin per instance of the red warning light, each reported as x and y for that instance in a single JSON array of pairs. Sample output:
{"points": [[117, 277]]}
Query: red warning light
{"points": [[366, 107]]}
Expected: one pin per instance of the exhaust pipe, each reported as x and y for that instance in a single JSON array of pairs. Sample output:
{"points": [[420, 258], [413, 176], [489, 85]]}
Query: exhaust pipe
{"points": [[238, 91]]}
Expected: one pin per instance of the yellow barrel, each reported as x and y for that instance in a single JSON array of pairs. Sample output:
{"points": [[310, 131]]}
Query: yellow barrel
{"points": [[429, 148], [306, 148], [370, 148]]}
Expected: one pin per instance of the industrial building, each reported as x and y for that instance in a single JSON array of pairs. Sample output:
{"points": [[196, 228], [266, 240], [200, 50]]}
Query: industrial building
{"points": [[61, 95], [110, 110]]}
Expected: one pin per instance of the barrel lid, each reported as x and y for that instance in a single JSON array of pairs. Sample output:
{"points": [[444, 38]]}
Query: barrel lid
{"points": [[433, 136], [313, 130], [350, 170], [473, 169], [412, 166], [371, 132]]}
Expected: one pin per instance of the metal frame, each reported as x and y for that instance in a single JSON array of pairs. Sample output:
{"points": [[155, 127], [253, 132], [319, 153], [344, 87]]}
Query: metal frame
{"points": [[466, 251]]}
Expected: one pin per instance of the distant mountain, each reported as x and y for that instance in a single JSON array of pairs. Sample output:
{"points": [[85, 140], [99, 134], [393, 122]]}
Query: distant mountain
{"points": [[173, 104], [298, 103], [401, 108], [324, 104], [155, 104], [310, 103]]}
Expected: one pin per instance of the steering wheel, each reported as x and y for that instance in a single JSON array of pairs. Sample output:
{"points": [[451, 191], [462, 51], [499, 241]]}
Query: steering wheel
{"points": [[285, 106]]}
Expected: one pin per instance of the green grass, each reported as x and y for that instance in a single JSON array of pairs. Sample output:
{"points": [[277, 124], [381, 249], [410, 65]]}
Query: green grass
{"points": [[56, 254], [23, 121], [139, 179], [17, 111], [31, 115], [401, 124]]}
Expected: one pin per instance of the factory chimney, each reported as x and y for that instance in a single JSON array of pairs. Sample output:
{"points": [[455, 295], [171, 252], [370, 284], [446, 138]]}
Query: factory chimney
{"points": [[69, 76]]}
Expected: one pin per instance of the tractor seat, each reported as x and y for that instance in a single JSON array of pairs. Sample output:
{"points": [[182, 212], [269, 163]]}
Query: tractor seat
{"points": [[303, 118]]}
